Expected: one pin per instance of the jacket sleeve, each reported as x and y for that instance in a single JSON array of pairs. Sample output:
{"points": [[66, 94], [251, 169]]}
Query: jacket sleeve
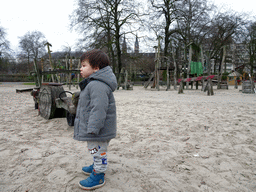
{"points": [[99, 103]]}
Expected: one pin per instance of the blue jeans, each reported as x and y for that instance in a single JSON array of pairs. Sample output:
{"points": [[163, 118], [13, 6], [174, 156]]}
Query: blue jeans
{"points": [[98, 150]]}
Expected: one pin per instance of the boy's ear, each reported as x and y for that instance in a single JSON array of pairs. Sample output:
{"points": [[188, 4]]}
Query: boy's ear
{"points": [[96, 69]]}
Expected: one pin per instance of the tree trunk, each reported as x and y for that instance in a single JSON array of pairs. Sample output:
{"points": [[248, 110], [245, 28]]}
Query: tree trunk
{"points": [[28, 66], [70, 74], [155, 72], [210, 87], [38, 82], [236, 84], [180, 87], [189, 62], [175, 70], [221, 67], [202, 57], [209, 81], [158, 64], [168, 76]]}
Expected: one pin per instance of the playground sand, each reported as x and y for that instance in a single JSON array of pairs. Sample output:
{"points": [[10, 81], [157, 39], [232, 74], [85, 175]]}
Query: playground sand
{"points": [[165, 142]]}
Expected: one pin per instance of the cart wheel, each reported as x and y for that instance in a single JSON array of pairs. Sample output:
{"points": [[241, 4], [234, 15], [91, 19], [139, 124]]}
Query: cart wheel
{"points": [[45, 102], [70, 119], [47, 105]]}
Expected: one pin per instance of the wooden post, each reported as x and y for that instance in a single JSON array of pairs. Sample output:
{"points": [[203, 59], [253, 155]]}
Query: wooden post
{"points": [[206, 86], [168, 76], [210, 87], [70, 74], [120, 78], [202, 84], [155, 73], [78, 75], [221, 67], [181, 87], [42, 65], [252, 84], [202, 57], [158, 64], [38, 83], [175, 69], [167, 73], [66, 74], [131, 70], [126, 80], [149, 80], [189, 62], [50, 57], [236, 85]]}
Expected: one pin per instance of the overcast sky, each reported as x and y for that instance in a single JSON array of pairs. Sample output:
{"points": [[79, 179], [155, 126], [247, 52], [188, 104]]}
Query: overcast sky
{"points": [[51, 17]]}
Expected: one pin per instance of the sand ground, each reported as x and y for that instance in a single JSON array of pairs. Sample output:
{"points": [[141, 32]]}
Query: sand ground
{"points": [[166, 142]]}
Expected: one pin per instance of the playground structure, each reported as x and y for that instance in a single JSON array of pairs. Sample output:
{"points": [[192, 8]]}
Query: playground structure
{"points": [[50, 98], [248, 86], [56, 75], [123, 80], [206, 82], [155, 76], [206, 85]]}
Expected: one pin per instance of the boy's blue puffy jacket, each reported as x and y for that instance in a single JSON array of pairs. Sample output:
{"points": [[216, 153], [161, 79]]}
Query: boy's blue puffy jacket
{"points": [[96, 110]]}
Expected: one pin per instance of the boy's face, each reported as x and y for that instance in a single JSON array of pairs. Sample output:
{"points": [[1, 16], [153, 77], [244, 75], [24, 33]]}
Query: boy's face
{"points": [[86, 70]]}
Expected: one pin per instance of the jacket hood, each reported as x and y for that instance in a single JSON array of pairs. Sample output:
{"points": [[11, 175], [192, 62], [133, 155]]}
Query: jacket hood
{"points": [[105, 75]]}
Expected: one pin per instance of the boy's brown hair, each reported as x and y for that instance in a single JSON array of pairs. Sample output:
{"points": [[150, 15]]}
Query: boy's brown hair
{"points": [[96, 58]]}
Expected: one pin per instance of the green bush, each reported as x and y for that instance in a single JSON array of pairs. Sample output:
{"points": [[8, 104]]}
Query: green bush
{"points": [[224, 78], [16, 78]]}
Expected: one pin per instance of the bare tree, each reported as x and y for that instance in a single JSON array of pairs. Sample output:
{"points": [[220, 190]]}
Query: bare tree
{"points": [[161, 18], [223, 29], [4, 43], [104, 21], [5, 51], [32, 45], [250, 45], [193, 19]]}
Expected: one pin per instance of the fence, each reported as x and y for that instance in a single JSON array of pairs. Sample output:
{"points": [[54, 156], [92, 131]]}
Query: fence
{"points": [[15, 78]]}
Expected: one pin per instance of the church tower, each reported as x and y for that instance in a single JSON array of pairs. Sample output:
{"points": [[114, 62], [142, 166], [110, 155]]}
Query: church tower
{"points": [[136, 45], [124, 46]]}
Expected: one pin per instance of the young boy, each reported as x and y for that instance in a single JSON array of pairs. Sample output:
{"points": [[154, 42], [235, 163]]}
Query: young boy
{"points": [[95, 120]]}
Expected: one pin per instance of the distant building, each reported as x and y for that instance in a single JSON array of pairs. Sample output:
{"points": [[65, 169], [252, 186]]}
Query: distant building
{"points": [[136, 45], [124, 46]]}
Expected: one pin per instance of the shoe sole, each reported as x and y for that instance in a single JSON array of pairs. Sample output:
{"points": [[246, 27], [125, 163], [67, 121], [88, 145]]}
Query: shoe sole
{"points": [[86, 173], [91, 188]]}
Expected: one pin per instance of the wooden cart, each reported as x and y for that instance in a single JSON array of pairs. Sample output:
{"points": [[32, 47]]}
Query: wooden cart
{"points": [[52, 101]]}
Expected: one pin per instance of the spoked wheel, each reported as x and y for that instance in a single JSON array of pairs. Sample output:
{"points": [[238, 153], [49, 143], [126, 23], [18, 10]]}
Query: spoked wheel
{"points": [[45, 102], [47, 106]]}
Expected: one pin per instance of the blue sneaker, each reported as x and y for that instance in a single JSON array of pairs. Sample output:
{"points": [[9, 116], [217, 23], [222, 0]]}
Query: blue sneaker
{"points": [[96, 180], [87, 170]]}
